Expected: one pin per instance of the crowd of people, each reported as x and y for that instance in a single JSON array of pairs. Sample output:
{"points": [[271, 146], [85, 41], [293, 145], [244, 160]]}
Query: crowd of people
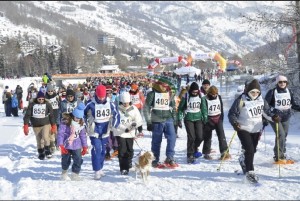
{"points": [[110, 112]]}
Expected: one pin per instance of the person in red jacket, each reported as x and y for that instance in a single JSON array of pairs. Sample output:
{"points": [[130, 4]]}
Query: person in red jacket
{"points": [[137, 99]]}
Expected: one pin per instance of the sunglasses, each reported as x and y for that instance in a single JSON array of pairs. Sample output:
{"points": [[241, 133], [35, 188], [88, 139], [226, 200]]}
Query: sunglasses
{"points": [[40, 99], [281, 82]]}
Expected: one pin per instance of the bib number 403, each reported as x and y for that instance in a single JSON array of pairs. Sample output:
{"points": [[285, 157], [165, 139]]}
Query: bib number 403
{"points": [[161, 101]]}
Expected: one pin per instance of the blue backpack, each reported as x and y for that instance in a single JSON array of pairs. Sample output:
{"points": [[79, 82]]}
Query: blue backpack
{"points": [[14, 102]]}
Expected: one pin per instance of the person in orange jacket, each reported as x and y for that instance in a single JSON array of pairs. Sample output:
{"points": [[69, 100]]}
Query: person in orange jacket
{"points": [[137, 99]]}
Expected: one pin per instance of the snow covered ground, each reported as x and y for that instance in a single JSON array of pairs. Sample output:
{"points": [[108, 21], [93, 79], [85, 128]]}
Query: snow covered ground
{"points": [[24, 176]]}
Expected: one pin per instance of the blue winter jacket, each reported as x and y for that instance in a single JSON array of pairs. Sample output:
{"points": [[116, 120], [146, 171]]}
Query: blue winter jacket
{"points": [[102, 128]]}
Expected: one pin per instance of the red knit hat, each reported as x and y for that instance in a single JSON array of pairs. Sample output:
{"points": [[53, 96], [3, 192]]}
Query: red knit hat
{"points": [[101, 91]]}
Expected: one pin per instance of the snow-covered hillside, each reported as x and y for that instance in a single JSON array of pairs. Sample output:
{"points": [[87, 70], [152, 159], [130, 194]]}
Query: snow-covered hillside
{"points": [[158, 28]]}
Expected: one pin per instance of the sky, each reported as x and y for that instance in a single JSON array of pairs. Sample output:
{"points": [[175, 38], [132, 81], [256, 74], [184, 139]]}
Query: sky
{"points": [[24, 177]]}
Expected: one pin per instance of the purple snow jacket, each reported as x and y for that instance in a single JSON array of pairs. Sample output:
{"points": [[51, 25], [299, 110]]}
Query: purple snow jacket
{"points": [[64, 133]]}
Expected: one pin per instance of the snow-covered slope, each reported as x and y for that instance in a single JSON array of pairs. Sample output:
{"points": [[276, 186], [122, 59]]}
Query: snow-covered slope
{"points": [[160, 27]]}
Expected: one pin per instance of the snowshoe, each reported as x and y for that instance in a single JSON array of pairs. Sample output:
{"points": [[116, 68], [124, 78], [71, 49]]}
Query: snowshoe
{"points": [[114, 154], [207, 157], [191, 160], [170, 163], [251, 177], [225, 156]]}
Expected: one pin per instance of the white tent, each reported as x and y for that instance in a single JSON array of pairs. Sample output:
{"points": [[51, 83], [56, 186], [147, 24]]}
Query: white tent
{"points": [[190, 70]]}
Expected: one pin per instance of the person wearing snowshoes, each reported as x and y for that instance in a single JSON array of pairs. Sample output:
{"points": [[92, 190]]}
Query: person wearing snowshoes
{"points": [[246, 117], [214, 108], [40, 114], [194, 112], [160, 113], [281, 101]]}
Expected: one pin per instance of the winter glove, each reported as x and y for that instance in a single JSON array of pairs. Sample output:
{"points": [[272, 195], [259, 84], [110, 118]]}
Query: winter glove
{"points": [[84, 151], [276, 118], [53, 129], [26, 129], [236, 126], [63, 150], [149, 127], [179, 124]]}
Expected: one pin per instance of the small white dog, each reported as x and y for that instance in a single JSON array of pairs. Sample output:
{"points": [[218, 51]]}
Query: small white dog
{"points": [[144, 164]]}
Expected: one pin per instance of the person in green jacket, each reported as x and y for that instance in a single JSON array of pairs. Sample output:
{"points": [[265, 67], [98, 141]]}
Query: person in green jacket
{"points": [[194, 112], [160, 114]]}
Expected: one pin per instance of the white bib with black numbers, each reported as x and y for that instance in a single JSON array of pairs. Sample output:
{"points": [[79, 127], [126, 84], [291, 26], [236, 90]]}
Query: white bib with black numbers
{"points": [[77, 129], [213, 107], [54, 103], [135, 99], [161, 101], [102, 112], [255, 108], [282, 100], [125, 119], [71, 107], [39, 111], [193, 104]]}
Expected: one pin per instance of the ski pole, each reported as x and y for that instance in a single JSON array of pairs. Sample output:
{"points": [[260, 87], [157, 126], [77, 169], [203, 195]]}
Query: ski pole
{"points": [[265, 140], [277, 135], [235, 132]]}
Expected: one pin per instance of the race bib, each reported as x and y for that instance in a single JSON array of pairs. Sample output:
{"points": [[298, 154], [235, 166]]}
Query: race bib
{"points": [[161, 101], [39, 111], [193, 105], [214, 107], [54, 103], [71, 107], [282, 100], [254, 108], [125, 119], [135, 99], [102, 112]]}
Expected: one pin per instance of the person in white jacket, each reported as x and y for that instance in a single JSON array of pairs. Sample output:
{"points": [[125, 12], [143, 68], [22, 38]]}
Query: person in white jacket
{"points": [[130, 120]]}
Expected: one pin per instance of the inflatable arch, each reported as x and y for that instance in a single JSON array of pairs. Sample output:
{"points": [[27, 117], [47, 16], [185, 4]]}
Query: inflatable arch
{"points": [[187, 61]]}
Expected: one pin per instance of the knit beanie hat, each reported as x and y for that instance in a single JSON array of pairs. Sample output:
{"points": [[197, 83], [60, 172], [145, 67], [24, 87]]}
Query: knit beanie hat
{"points": [[101, 91], [213, 90], [40, 95], [78, 112], [134, 87], [50, 87], [194, 86], [70, 92], [280, 78], [254, 84], [125, 97], [206, 82]]}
